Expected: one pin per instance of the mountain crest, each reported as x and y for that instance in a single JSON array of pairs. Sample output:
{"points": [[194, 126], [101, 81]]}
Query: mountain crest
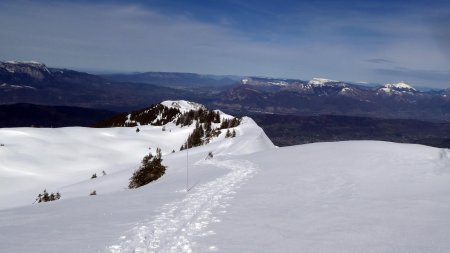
{"points": [[35, 70], [396, 88], [183, 105], [319, 82], [400, 86]]}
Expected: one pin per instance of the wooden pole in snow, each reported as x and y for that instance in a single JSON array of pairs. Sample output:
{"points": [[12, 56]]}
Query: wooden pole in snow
{"points": [[187, 165]]}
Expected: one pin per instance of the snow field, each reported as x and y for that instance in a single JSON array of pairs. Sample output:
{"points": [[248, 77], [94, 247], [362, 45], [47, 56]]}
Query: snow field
{"points": [[356, 196], [179, 223]]}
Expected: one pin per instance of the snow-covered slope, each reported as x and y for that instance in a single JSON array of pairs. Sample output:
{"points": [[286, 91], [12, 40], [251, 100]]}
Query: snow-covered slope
{"points": [[360, 196], [357, 196], [34, 159]]}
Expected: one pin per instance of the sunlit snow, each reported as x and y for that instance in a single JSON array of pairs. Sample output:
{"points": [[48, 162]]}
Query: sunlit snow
{"points": [[356, 196]]}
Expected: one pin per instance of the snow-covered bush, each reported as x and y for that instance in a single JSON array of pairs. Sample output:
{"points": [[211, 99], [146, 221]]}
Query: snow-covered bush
{"points": [[45, 196], [150, 170]]}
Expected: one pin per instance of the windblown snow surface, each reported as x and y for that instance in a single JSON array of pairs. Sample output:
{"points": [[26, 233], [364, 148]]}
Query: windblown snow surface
{"points": [[356, 196]]}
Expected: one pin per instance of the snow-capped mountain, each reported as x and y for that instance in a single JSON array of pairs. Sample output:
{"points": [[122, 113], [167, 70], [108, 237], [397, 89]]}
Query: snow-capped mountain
{"points": [[320, 86], [349, 196], [396, 88], [26, 67], [10, 70], [320, 82], [264, 82], [33, 82], [324, 96], [166, 112]]}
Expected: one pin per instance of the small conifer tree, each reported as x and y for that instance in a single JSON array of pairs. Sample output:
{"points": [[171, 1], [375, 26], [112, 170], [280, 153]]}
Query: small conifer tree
{"points": [[45, 196], [228, 134], [151, 169]]}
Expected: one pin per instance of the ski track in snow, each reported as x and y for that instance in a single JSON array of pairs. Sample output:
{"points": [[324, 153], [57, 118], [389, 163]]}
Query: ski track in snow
{"points": [[178, 223]]}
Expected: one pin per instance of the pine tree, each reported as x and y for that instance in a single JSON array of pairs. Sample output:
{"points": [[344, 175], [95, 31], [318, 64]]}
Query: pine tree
{"points": [[45, 196], [39, 198], [224, 124], [234, 133], [217, 117], [151, 169]]}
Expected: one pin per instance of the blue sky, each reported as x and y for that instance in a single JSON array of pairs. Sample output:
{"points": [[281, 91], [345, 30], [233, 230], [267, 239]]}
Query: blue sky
{"points": [[360, 41]]}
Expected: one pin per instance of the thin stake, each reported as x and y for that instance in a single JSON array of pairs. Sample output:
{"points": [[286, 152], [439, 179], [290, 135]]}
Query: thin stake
{"points": [[187, 165]]}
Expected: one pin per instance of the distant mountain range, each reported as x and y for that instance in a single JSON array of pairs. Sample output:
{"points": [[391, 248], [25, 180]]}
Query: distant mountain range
{"points": [[325, 97], [33, 82]]}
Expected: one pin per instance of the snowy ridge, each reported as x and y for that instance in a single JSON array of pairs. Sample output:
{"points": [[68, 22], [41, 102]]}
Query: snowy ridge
{"points": [[319, 82], [28, 67], [110, 149], [183, 105], [396, 88], [400, 86], [279, 83], [346, 91], [264, 82], [25, 62]]}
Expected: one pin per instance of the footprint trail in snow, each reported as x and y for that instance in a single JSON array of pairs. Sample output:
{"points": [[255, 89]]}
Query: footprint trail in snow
{"points": [[179, 223]]}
